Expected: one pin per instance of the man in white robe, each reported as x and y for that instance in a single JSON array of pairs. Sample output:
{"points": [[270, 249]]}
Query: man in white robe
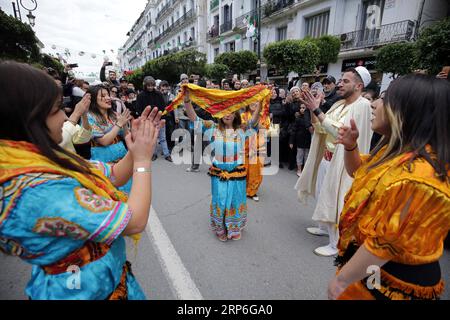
{"points": [[329, 158]]}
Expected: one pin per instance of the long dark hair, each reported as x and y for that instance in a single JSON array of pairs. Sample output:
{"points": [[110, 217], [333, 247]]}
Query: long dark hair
{"points": [[95, 109], [418, 109], [237, 121], [27, 97]]}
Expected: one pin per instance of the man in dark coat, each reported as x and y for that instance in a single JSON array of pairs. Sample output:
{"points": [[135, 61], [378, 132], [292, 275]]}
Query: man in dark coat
{"points": [[151, 97]]}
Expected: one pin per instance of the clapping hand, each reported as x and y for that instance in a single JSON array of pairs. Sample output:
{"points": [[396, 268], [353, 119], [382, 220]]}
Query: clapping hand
{"points": [[311, 102], [348, 136], [123, 118], [82, 107], [144, 134]]}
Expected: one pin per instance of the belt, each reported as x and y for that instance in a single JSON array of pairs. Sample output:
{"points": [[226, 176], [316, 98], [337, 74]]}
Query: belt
{"points": [[89, 252]]}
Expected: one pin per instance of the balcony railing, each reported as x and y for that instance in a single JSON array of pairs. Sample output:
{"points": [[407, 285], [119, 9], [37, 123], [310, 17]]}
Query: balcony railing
{"points": [[240, 21], [272, 6], [164, 9], [189, 44], [389, 33], [213, 32], [227, 26], [190, 14]]}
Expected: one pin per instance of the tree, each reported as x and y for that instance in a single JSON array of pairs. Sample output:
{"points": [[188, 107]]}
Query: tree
{"points": [[171, 66], [301, 56], [396, 58], [239, 62], [136, 78], [17, 40], [217, 71], [329, 47], [51, 62], [433, 47]]}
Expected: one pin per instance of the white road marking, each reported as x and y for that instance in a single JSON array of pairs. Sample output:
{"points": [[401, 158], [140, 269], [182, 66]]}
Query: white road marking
{"points": [[180, 281]]}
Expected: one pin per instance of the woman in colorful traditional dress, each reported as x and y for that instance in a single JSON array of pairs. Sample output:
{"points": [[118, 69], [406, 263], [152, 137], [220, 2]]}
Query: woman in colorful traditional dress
{"points": [[228, 211], [397, 212], [108, 129], [255, 149], [58, 212]]}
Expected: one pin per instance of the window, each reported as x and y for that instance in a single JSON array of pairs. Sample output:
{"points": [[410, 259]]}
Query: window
{"points": [[230, 46], [282, 33], [317, 26], [216, 52]]}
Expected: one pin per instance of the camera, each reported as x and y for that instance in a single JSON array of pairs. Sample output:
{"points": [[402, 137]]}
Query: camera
{"points": [[73, 65], [109, 64]]}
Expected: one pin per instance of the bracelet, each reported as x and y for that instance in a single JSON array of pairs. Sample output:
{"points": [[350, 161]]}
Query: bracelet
{"points": [[317, 112], [118, 125], [142, 170], [189, 101], [353, 149]]}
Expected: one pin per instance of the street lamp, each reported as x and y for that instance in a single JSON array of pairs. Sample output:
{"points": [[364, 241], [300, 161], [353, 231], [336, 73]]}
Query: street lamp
{"points": [[30, 16]]}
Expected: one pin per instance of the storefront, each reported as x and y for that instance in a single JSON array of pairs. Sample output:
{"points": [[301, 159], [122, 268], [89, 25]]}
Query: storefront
{"points": [[369, 63]]}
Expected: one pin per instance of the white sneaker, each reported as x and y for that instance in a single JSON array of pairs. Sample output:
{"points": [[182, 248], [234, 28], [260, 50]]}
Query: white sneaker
{"points": [[317, 231], [255, 198], [326, 251]]}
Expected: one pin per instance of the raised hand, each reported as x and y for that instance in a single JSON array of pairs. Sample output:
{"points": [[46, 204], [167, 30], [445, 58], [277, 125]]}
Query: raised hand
{"points": [[311, 102], [348, 136], [124, 117], [143, 138], [82, 107]]}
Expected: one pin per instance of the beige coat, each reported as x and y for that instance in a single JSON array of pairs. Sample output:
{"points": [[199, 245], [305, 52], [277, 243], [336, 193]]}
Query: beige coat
{"points": [[336, 182]]}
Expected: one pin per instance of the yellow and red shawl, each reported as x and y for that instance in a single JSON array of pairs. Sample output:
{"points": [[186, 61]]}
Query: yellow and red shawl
{"points": [[20, 157], [219, 102]]}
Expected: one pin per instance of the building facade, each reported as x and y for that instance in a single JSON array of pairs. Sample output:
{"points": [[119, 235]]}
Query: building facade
{"points": [[361, 25], [217, 26], [164, 27]]}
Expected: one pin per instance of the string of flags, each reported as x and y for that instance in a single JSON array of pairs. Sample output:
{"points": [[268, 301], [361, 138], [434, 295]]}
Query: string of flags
{"points": [[64, 53]]}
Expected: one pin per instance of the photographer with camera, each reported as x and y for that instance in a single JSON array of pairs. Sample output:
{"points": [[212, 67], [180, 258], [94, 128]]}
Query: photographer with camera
{"points": [[112, 75]]}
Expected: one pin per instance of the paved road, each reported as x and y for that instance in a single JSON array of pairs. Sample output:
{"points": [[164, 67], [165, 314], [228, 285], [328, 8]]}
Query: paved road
{"points": [[273, 260]]}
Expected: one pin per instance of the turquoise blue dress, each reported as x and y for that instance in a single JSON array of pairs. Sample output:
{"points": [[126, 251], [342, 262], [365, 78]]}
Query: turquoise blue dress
{"points": [[109, 154], [228, 210], [46, 217]]}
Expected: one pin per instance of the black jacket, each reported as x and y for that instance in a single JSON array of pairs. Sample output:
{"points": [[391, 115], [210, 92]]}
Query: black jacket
{"points": [[299, 134], [150, 98], [332, 98], [278, 111]]}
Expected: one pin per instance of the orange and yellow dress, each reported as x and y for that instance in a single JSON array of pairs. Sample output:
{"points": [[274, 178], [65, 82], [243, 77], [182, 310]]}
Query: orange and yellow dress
{"points": [[400, 212], [254, 154]]}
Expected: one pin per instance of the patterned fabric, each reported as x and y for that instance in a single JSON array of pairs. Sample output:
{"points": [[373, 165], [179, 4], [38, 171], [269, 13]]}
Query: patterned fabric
{"points": [[220, 102], [400, 212], [109, 154], [43, 220], [255, 148], [228, 210]]}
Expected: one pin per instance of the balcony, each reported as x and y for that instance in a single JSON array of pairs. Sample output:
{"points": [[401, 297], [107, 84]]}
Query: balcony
{"points": [[189, 44], [177, 24], [389, 33], [227, 26], [273, 6], [214, 4], [240, 21], [164, 9], [213, 32]]}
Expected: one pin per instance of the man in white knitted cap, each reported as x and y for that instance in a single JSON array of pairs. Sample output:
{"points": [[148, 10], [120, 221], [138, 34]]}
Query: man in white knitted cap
{"points": [[324, 176]]}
